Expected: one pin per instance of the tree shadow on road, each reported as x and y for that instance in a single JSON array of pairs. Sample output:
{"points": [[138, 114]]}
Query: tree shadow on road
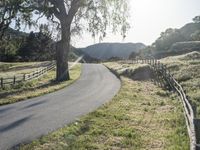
{"points": [[14, 124]]}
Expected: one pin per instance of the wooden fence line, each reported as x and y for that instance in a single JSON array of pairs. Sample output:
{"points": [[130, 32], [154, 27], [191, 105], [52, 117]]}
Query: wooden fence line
{"points": [[25, 77], [191, 122]]}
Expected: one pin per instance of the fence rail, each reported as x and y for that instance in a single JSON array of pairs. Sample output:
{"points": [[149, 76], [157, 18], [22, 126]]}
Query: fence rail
{"points": [[25, 77], [161, 71]]}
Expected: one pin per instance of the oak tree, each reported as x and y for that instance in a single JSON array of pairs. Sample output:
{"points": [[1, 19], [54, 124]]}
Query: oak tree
{"points": [[71, 16]]}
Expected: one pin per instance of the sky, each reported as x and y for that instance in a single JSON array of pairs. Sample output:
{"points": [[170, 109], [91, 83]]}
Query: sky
{"points": [[148, 19]]}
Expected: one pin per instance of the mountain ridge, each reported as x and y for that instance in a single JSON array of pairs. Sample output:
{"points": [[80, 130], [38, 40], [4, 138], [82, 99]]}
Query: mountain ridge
{"points": [[105, 51]]}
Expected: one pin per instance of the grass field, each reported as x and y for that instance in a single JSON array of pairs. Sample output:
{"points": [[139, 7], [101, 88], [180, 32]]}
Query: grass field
{"points": [[5, 66], [186, 69], [11, 69], [140, 116], [37, 87]]}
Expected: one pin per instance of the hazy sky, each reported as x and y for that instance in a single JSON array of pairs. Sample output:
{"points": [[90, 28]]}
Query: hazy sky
{"points": [[149, 18]]}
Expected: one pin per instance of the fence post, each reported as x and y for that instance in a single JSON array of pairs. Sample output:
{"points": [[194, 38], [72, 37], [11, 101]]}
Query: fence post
{"points": [[38, 73], [194, 108], [24, 77], [162, 66], [158, 64], [14, 80], [1, 82], [165, 71], [197, 131]]}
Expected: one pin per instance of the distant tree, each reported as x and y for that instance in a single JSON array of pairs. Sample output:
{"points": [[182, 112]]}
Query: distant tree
{"points": [[133, 55], [196, 19], [71, 16], [37, 47], [9, 46], [196, 35], [28, 48]]}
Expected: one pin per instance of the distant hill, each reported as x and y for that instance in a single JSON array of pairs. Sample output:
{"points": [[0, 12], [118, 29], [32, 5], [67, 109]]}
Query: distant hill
{"points": [[75, 53], [105, 51]]}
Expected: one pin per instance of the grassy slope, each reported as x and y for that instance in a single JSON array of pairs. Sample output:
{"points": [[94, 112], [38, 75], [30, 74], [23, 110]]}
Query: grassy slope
{"points": [[4, 66], [8, 69], [140, 116], [186, 69], [37, 87], [11, 69]]}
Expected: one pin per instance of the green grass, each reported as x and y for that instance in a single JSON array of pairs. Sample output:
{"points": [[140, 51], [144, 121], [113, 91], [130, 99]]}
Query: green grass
{"points": [[140, 116], [43, 85], [186, 69]]}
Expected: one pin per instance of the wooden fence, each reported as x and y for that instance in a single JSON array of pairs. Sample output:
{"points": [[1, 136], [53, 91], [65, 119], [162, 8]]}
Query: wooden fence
{"points": [[25, 77], [162, 73]]}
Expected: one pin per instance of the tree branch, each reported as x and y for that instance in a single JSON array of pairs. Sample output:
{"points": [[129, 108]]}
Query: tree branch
{"points": [[75, 5]]}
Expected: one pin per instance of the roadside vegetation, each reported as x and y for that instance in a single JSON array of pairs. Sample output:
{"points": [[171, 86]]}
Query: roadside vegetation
{"points": [[140, 116], [35, 87], [186, 69]]}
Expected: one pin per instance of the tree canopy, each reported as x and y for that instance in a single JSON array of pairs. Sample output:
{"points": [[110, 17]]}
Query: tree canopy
{"points": [[93, 16]]}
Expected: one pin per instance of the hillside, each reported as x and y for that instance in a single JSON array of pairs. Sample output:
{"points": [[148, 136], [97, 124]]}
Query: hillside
{"points": [[185, 69], [188, 29], [106, 51], [172, 36], [175, 41], [187, 46]]}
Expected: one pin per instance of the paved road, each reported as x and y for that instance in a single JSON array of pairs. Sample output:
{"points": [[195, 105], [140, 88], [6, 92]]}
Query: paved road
{"points": [[27, 120]]}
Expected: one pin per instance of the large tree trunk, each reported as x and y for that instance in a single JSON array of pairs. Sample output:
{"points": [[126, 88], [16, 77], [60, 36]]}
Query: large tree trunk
{"points": [[63, 46], [62, 51]]}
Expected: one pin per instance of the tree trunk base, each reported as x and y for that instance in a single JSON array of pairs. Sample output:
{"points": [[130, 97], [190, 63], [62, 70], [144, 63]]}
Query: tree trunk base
{"points": [[62, 72]]}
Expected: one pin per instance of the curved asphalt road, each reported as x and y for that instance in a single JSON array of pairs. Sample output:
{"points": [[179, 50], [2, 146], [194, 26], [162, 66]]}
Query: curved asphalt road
{"points": [[25, 121]]}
